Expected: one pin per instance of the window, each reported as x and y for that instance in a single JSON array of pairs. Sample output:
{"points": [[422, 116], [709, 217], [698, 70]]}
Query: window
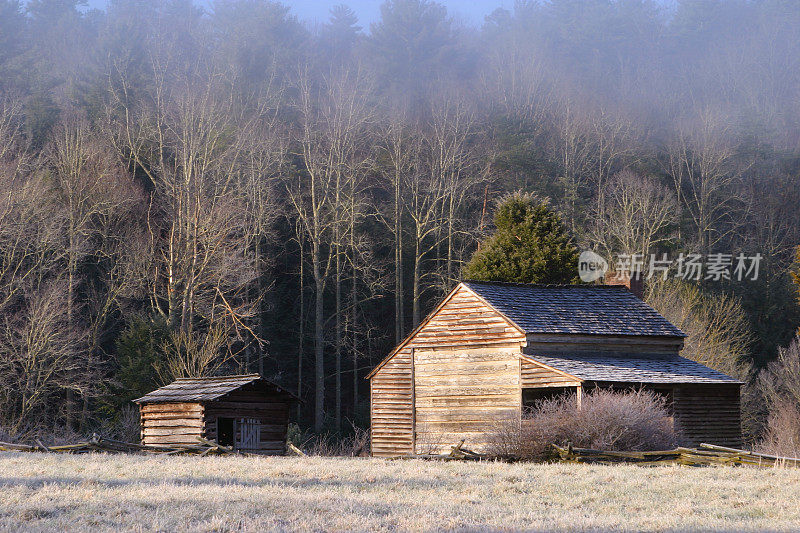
{"points": [[531, 396]]}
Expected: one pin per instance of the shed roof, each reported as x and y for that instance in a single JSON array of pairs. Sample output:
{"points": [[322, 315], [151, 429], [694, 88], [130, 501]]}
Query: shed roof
{"points": [[574, 309], [204, 389], [632, 368]]}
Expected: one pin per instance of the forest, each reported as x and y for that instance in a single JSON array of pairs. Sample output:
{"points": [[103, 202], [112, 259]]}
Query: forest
{"points": [[188, 191]]}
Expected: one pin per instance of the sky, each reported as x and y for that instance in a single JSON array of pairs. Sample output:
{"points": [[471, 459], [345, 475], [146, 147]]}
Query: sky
{"points": [[469, 11]]}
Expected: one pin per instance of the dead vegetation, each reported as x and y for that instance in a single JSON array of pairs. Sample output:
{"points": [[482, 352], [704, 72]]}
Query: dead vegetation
{"points": [[102, 492], [354, 443], [635, 420]]}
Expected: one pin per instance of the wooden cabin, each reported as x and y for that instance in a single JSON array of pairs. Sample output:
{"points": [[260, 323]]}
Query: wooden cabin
{"points": [[491, 349], [246, 412]]}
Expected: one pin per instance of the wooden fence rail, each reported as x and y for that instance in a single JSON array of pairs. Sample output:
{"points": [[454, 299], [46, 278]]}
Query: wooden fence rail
{"points": [[102, 444]]}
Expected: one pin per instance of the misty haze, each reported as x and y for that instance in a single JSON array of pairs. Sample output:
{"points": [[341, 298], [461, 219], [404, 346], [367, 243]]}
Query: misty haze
{"points": [[199, 189]]}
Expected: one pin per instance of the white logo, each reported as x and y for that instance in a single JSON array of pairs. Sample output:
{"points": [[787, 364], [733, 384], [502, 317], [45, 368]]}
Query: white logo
{"points": [[591, 266]]}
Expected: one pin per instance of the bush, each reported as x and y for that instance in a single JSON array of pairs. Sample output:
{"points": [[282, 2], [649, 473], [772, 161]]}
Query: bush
{"points": [[783, 430], [780, 386], [634, 420], [354, 443]]}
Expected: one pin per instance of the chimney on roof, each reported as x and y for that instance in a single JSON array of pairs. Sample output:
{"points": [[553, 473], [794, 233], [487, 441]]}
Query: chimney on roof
{"points": [[634, 283]]}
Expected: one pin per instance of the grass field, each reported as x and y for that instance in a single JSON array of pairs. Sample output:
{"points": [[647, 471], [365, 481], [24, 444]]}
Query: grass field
{"points": [[50, 492]]}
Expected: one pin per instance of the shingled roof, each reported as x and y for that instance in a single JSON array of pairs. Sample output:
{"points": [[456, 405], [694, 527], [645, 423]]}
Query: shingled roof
{"points": [[633, 368], [574, 309], [204, 389]]}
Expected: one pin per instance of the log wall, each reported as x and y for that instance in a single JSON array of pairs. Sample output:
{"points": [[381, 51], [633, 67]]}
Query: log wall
{"points": [[464, 394], [171, 423], [708, 413], [533, 375], [462, 321], [272, 411], [627, 344], [182, 423], [392, 407]]}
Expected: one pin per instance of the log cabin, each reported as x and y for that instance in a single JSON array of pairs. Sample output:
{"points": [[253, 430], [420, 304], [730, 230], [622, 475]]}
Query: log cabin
{"points": [[490, 350], [245, 412]]}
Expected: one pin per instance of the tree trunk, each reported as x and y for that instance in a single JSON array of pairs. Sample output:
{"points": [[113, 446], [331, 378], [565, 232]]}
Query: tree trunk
{"points": [[398, 265], [417, 275], [319, 342], [353, 301], [301, 343], [338, 414]]}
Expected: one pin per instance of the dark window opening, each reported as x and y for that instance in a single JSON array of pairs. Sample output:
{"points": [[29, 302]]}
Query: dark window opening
{"points": [[665, 392], [225, 431], [531, 397]]}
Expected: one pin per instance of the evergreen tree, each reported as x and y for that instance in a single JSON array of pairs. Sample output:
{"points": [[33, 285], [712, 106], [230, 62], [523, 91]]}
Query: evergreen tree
{"points": [[341, 33], [139, 350], [530, 245]]}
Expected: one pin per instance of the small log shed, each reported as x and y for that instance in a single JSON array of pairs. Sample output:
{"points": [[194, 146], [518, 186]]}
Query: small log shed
{"points": [[246, 412], [491, 350]]}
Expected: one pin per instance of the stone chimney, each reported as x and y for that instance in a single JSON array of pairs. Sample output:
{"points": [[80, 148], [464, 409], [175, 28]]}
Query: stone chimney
{"points": [[635, 284]]}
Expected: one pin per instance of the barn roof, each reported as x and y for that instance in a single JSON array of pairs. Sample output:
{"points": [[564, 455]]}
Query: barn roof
{"points": [[204, 389], [632, 368], [574, 309]]}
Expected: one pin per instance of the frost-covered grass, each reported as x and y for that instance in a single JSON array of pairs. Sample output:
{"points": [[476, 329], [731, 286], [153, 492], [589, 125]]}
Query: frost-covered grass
{"points": [[135, 493]]}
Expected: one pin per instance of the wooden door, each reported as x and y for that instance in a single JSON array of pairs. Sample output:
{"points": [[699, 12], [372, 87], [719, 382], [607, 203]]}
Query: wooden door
{"points": [[249, 434]]}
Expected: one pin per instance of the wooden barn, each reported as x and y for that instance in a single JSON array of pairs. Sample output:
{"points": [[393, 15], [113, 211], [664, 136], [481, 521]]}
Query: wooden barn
{"points": [[491, 349], [246, 412]]}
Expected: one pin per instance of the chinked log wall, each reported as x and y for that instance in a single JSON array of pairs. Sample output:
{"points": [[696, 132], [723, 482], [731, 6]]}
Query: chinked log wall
{"points": [[171, 423], [464, 322]]}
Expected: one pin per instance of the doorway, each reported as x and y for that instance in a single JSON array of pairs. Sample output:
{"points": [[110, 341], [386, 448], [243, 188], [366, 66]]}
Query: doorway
{"points": [[226, 431]]}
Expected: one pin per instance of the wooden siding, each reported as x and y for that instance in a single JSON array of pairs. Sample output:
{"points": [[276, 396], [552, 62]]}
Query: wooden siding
{"points": [[464, 394], [533, 375], [182, 423], [391, 409], [607, 343], [271, 410], [462, 321], [171, 423], [708, 413]]}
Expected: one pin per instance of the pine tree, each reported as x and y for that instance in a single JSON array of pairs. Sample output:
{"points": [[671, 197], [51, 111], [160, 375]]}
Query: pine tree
{"points": [[530, 245]]}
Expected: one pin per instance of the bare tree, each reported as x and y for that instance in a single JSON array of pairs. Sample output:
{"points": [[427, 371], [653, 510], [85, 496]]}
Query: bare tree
{"points": [[636, 215], [39, 354], [333, 118], [88, 189], [704, 170], [396, 152], [611, 135], [451, 140], [189, 354], [187, 136], [573, 151]]}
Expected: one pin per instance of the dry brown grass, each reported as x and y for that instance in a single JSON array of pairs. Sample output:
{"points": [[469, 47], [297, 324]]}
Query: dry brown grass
{"points": [[49, 492]]}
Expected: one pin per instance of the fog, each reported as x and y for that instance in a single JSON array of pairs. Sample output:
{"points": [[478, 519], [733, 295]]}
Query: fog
{"points": [[250, 186]]}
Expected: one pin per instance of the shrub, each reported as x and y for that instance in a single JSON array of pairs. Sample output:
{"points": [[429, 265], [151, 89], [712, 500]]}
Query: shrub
{"points": [[354, 443], [632, 420], [783, 430], [780, 385]]}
